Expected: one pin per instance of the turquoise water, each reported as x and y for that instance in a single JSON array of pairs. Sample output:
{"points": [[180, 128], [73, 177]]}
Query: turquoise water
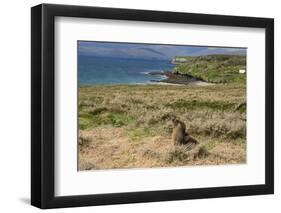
{"points": [[101, 70]]}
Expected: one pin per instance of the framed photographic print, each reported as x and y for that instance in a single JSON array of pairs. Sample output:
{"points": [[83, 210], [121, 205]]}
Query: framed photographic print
{"points": [[139, 106]]}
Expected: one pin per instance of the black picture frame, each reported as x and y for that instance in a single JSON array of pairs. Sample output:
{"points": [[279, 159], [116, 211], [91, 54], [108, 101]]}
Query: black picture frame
{"points": [[43, 102]]}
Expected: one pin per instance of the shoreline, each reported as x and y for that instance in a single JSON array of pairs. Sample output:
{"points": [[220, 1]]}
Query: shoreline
{"points": [[178, 79], [150, 83], [169, 78]]}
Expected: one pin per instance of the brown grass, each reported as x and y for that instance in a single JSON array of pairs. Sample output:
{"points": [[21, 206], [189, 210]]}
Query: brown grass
{"points": [[125, 127]]}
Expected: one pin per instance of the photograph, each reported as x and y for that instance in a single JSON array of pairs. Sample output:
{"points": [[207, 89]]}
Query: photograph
{"points": [[160, 105], [141, 105]]}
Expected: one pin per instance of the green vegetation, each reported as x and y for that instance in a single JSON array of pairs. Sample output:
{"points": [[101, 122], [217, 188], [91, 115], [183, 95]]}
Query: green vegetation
{"points": [[195, 104], [102, 116], [138, 134], [213, 68]]}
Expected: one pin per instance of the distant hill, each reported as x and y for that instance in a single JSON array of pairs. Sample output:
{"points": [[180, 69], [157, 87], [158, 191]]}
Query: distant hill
{"points": [[150, 51], [213, 68]]}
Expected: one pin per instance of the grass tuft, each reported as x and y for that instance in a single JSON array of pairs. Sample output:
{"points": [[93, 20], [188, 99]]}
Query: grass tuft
{"points": [[103, 116], [139, 134], [202, 153], [177, 155], [195, 104]]}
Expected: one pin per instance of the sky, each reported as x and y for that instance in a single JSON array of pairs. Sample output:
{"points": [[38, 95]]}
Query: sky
{"points": [[149, 51]]}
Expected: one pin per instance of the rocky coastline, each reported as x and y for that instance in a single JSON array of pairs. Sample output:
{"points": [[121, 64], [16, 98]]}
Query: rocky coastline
{"points": [[176, 78]]}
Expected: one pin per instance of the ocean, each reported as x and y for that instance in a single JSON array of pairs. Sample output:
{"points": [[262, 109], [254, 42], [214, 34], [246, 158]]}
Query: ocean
{"points": [[101, 70]]}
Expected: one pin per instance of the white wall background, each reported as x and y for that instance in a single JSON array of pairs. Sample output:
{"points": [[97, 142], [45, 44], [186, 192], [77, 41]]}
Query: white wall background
{"points": [[15, 105]]}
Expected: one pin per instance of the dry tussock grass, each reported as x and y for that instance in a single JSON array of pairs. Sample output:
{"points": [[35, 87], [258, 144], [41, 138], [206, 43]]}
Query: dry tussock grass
{"points": [[126, 127]]}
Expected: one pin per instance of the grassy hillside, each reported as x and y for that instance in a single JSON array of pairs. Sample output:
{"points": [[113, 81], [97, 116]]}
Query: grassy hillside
{"points": [[124, 126], [214, 68]]}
